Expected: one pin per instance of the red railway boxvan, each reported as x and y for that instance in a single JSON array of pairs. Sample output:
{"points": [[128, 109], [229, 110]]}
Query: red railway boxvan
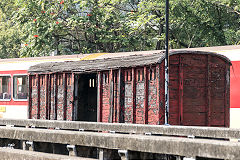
{"points": [[130, 89]]}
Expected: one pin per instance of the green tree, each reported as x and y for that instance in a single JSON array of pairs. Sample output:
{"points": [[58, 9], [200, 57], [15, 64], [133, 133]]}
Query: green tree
{"points": [[39, 27], [70, 27], [10, 41]]}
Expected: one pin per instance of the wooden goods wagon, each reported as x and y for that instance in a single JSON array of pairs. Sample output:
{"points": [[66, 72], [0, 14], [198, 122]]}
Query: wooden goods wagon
{"points": [[130, 89]]}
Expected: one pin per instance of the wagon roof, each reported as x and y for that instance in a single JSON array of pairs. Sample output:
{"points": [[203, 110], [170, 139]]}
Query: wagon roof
{"points": [[111, 63]]}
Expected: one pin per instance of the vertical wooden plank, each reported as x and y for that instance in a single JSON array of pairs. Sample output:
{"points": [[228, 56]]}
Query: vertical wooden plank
{"points": [[56, 95], [30, 96], [99, 97], [72, 98], [64, 96], [158, 89], [111, 91], [162, 93], [227, 96], [52, 97], [145, 95], [121, 96], [180, 116], [116, 93], [49, 96], [208, 76], [134, 95], [46, 95], [38, 93]]}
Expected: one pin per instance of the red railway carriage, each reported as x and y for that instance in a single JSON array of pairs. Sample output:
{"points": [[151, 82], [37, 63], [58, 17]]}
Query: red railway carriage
{"points": [[130, 89]]}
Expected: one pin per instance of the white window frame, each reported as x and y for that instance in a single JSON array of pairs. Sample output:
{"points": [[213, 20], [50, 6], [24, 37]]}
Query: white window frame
{"points": [[13, 86], [7, 75]]}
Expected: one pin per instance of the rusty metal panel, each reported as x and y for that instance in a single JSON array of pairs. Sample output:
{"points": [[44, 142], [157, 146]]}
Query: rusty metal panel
{"points": [[106, 97], [69, 96], [42, 94], [128, 96], [60, 97], [140, 112], [153, 109]]}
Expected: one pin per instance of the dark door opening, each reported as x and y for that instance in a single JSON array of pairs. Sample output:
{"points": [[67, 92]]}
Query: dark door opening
{"points": [[86, 97]]}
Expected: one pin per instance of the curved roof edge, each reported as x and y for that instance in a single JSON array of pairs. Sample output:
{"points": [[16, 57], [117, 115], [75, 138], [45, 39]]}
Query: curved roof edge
{"points": [[226, 59]]}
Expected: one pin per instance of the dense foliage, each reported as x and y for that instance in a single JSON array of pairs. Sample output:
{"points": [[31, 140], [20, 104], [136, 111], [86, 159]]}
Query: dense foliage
{"points": [[40, 27]]}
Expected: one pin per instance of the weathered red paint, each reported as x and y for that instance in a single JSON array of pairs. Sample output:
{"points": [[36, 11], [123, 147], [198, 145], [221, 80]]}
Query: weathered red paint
{"points": [[121, 91], [145, 95], [162, 94], [38, 96], [116, 96], [70, 98], [180, 91], [208, 94], [158, 92], [133, 95], [46, 95], [64, 96], [198, 88], [100, 83], [56, 96], [30, 97], [227, 98], [111, 98]]}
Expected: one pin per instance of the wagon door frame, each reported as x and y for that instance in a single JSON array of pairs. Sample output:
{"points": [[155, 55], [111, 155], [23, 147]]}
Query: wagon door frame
{"points": [[85, 97]]}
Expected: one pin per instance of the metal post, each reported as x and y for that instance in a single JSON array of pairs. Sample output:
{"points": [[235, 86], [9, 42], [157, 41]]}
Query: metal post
{"points": [[167, 66]]}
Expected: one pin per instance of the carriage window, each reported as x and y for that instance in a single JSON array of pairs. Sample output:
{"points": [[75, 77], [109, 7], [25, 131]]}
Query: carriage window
{"points": [[5, 87], [20, 87]]}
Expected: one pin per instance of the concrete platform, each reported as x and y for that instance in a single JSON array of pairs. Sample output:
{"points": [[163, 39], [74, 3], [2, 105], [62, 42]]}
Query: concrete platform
{"points": [[16, 154], [211, 132], [142, 143]]}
